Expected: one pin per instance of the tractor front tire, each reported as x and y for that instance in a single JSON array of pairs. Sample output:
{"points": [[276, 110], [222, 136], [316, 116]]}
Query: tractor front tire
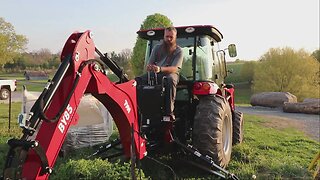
{"points": [[212, 129], [237, 123]]}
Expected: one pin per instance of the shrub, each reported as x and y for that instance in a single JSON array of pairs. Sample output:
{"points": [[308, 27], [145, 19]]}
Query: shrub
{"points": [[287, 70], [247, 71]]}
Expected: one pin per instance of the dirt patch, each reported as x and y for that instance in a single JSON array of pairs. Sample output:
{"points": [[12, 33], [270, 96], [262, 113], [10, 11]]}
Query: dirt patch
{"points": [[282, 123]]}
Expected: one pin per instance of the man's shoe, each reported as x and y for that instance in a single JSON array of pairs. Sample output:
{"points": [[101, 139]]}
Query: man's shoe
{"points": [[172, 117]]}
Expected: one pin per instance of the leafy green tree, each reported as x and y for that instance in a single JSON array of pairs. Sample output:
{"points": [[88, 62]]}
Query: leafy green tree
{"points": [[54, 61], [152, 21], [247, 71], [126, 55], [42, 58], [316, 54], [11, 44], [287, 70], [123, 60]]}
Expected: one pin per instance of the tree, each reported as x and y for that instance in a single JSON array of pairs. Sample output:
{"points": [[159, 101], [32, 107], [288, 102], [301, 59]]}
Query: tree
{"points": [[152, 21], [11, 44], [123, 59], [247, 71], [287, 70], [126, 55], [316, 54], [18, 63], [54, 61]]}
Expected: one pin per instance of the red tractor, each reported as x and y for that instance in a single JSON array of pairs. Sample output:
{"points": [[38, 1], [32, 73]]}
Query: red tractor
{"points": [[206, 125]]}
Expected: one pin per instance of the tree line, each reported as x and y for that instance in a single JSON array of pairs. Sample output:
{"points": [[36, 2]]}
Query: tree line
{"points": [[43, 59], [13, 56]]}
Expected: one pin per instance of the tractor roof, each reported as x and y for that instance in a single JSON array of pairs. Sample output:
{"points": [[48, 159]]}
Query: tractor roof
{"points": [[182, 31]]}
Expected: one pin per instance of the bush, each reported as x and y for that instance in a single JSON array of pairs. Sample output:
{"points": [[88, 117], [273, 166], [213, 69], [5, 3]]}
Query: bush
{"points": [[93, 169], [316, 54], [235, 68], [247, 71], [287, 70]]}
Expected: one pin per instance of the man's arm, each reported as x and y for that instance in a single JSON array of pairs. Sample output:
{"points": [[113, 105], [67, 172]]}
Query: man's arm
{"points": [[152, 59], [169, 69], [164, 69]]}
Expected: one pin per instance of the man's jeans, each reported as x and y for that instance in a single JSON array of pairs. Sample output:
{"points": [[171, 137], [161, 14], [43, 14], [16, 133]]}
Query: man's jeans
{"points": [[171, 84]]}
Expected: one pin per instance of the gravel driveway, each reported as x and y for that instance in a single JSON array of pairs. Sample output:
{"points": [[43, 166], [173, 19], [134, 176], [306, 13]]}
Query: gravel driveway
{"points": [[308, 123]]}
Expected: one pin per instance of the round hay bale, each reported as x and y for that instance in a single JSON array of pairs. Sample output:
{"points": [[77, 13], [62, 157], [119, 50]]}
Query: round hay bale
{"points": [[95, 125], [272, 99], [316, 100], [310, 106]]}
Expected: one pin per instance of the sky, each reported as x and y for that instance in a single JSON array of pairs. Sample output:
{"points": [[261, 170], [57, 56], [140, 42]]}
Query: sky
{"points": [[254, 26]]}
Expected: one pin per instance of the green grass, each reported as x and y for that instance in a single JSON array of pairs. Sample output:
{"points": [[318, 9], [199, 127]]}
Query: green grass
{"points": [[5, 133], [243, 90], [243, 93], [272, 153], [32, 85], [11, 75], [37, 85], [266, 152], [4, 119]]}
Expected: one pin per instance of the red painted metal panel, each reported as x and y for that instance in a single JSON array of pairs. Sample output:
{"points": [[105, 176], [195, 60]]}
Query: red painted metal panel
{"points": [[119, 99], [230, 92]]}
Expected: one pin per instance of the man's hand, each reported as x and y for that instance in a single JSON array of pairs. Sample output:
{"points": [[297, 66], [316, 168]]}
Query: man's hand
{"points": [[152, 67]]}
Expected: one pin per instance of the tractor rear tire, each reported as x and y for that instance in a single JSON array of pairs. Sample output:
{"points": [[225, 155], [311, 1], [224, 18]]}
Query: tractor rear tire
{"points": [[237, 123], [212, 129]]}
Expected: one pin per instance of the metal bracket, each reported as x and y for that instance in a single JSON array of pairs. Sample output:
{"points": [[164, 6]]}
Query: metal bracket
{"points": [[207, 159]]}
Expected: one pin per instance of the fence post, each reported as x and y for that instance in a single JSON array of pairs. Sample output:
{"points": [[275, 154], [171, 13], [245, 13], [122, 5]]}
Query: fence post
{"points": [[9, 109]]}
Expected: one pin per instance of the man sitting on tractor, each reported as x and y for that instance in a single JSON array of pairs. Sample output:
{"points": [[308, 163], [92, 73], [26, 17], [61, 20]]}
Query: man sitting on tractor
{"points": [[166, 60]]}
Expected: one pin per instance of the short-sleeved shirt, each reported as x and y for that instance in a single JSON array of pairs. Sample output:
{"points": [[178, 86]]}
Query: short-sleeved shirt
{"points": [[160, 57]]}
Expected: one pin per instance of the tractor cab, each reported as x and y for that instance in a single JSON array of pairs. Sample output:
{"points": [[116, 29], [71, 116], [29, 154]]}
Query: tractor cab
{"points": [[202, 74], [203, 60]]}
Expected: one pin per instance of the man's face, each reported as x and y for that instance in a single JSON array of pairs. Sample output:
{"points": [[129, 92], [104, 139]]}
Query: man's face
{"points": [[170, 37]]}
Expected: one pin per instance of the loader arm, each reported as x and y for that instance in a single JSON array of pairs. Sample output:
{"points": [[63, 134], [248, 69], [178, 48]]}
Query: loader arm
{"points": [[44, 130]]}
